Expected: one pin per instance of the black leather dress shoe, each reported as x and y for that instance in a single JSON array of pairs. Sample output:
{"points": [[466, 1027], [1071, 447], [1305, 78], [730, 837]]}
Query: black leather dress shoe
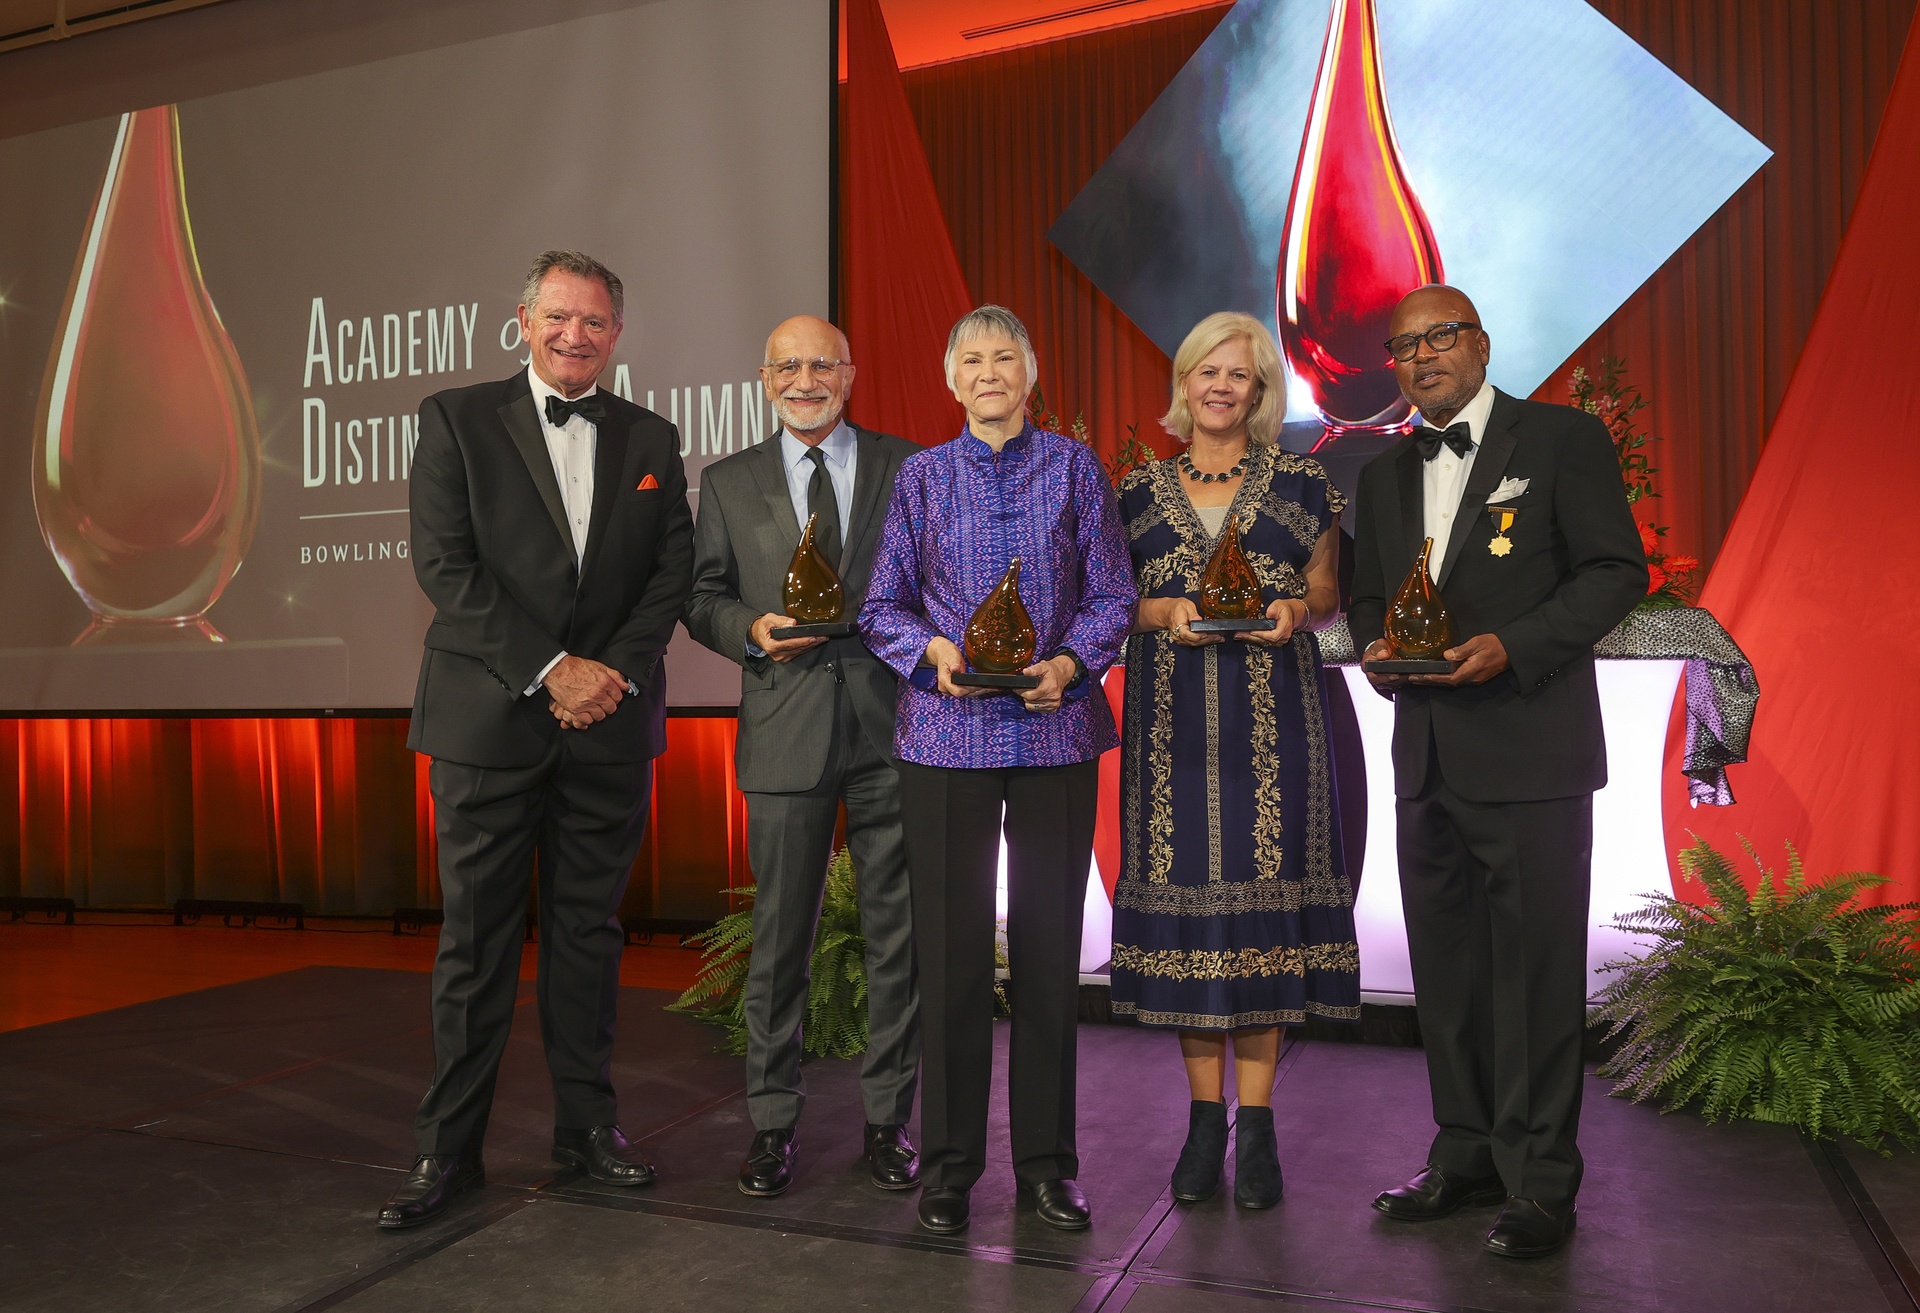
{"points": [[944, 1211], [1529, 1229], [892, 1161], [1435, 1194], [1059, 1203], [431, 1187], [606, 1155], [768, 1170]]}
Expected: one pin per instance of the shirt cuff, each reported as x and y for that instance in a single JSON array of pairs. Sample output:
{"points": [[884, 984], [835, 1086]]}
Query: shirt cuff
{"points": [[541, 678], [753, 650]]}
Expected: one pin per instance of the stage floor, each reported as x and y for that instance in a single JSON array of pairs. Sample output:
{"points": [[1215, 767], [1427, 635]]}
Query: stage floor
{"points": [[225, 1150]]}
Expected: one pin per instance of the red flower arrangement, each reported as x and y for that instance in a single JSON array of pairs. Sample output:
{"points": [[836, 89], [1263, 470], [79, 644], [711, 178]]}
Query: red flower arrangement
{"points": [[1670, 578]]}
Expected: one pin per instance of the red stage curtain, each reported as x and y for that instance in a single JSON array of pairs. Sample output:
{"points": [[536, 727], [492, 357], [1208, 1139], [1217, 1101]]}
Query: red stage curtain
{"points": [[1012, 137], [333, 814], [1713, 336], [1816, 578], [903, 286]]}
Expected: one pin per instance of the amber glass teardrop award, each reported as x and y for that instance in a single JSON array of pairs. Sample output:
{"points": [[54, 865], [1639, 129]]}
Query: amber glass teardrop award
{"points": [[999, 641], [1418, 628], [813, 596], [1230, 599]]}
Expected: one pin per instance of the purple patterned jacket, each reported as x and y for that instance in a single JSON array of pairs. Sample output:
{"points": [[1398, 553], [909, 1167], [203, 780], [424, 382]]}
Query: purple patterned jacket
{"points": [[960, 513]]}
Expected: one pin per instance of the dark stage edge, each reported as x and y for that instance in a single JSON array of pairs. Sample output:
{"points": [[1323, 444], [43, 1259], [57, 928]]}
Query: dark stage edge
{"points": [[225, 1150]]}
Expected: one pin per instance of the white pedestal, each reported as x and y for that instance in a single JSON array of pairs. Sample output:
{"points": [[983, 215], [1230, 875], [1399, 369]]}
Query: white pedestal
{"points": [[1629, 841]]}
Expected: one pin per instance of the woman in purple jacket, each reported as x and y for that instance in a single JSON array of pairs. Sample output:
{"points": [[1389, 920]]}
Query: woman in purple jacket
{"points": [[977, 762]]}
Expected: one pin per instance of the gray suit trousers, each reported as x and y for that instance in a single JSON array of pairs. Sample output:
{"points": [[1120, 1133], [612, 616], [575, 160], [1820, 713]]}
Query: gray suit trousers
{"points": [[789, 839]]}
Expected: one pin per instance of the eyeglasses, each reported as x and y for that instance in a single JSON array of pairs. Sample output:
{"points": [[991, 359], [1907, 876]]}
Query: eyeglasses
{"points": [[1440, 337], [789, 369]]}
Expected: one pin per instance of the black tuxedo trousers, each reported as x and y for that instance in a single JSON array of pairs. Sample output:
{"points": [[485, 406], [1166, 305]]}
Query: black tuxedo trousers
{"points": [[1496, 898], [584, 820]]}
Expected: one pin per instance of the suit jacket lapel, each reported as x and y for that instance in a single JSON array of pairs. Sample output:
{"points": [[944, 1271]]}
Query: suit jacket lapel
{"points": [[523, 423], [1496, 448], [609, 474], [1413, 505], [770, 472], [869, 465]]}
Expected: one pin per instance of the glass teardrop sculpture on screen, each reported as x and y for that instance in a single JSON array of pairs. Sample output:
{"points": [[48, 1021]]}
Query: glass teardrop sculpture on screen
{"points": [[146, 453], [1356, 238], [1418, 626], [813, 595], [1230, 596], [999, 641]]}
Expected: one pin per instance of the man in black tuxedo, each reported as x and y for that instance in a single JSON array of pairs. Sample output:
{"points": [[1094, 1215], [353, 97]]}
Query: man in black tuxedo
{"points": [[816, 729], [1495, 764], [552, 533]]}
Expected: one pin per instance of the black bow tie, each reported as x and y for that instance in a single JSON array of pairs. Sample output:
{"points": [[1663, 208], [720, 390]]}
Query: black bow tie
{"points": [[590, 408], [1458, 436]]}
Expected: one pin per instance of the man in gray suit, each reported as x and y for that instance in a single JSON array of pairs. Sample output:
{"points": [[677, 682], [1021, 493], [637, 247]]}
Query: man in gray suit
{"points": [[816, 728]]}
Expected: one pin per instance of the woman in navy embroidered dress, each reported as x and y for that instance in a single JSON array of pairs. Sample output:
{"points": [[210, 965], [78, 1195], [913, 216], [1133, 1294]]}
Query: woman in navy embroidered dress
{"points": [[1233, 915]]}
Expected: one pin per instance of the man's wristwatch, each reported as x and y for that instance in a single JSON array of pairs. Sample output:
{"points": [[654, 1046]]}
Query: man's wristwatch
{"points": [[1079, 667]]}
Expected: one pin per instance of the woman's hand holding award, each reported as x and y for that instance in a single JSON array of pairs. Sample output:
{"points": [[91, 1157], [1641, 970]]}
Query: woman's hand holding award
{"points": [[1230, 597]]}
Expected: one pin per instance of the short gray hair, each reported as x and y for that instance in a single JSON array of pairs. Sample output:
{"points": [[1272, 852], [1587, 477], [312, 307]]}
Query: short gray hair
{"points": [[988, 321], [574, 262]]}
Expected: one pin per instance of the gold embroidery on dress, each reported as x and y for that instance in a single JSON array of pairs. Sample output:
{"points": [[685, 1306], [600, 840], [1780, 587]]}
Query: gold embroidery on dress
{"points": [[1211, 658], [1135, 710], [1236, 964], [1324, 885], [1269, 826], [1221, 898], [1160, 750], [1263, 1017]]}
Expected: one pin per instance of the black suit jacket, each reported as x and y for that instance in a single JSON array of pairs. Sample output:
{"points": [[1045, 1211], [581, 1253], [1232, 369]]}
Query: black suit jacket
{"points": [[492, 551], [743, 544], [1575, 571]]}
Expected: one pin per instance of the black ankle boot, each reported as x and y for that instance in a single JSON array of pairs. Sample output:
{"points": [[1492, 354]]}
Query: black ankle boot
{"points": [[1197, 1175], [1256, 1159]]}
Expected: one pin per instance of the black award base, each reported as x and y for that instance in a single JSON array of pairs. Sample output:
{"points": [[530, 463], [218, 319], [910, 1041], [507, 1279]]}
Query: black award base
{"points": [[1398, 666], [823, 629], [1254, 625], [982, 679]]}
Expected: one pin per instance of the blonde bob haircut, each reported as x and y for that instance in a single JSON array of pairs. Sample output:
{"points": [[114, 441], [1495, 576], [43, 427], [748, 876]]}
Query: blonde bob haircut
{"points": [[1270, 379]]}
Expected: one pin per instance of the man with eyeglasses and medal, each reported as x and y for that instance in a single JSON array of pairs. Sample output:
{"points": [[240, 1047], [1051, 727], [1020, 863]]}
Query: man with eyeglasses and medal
{"points": [[815, 730], [1495, 764]]}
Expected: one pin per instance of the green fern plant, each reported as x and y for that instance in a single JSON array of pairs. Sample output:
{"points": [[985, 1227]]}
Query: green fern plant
{"points": [[1792, 1004], [836, 1024]]}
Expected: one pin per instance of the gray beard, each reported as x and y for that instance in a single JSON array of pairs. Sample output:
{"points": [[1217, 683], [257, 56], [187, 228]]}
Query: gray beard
{"points": [[789, 417]]}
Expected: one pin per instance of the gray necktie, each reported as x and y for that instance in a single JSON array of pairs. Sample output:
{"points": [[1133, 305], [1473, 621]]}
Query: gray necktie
{"points": [[822, 502]]}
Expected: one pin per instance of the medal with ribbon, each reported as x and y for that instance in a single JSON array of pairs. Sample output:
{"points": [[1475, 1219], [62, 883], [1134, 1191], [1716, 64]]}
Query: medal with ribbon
{"points": [[1502, 517]]}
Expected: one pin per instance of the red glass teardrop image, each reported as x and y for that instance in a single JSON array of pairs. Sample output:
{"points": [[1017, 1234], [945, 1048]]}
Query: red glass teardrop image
{"points": [[1356, 239], [146, 455]]}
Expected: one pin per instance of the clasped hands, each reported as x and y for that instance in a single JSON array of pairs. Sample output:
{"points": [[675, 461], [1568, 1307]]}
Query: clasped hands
{"points": [[1480, 658], [1174, 614], [1055, 674], [583, 691]]}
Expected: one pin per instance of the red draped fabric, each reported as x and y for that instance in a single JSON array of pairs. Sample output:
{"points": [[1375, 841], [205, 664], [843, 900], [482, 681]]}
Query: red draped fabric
{"points": [[1815, 580], [903, 286]]}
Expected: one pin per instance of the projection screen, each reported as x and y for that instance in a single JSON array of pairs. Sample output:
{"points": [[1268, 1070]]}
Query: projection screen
{"points": [[219, 315]]}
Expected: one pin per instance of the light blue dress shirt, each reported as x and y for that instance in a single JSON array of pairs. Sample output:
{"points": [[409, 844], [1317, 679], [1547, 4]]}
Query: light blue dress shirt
{"points": [[840, 450]]}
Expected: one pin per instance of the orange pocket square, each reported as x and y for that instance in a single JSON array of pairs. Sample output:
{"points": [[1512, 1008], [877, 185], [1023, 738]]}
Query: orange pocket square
{"points": [[646, 483]]}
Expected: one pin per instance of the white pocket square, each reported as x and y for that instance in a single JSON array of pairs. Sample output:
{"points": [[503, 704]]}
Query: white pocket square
{"points": [[1508, 490]]}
